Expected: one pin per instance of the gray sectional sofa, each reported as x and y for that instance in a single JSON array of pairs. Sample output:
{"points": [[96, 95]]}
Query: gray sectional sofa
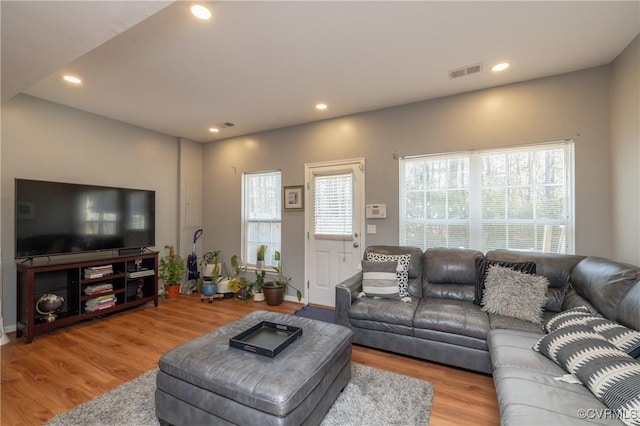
{"points": [[442, 323]]}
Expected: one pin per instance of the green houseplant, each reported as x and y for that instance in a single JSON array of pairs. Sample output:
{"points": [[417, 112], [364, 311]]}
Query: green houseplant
{"points": [[257, 286], [274, 290], [262, 250], [208, 262], [171, 271], [239, 284]]}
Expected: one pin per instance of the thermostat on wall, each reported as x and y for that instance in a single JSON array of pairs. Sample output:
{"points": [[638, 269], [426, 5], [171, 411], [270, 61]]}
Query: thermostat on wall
{"points": [[376, 211]]}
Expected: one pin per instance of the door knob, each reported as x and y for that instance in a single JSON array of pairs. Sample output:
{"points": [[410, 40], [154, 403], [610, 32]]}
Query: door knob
{"points": [[356, 245]]}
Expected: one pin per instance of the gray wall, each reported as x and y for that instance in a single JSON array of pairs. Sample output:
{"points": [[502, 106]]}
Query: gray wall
{"points": [[46, 141], [42, 140], [190, 190], [625, 153], [574, 105]]}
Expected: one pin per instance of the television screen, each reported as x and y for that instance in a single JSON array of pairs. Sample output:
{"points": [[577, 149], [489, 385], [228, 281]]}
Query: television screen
{"points": [[59, 218]]}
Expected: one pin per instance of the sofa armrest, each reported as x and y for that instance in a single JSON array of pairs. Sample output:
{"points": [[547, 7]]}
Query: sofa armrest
{"points": [[346, 292]]}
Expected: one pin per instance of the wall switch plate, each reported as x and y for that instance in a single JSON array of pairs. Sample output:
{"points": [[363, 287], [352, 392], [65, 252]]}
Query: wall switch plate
{"points": [[376, 211], [371, 229]]}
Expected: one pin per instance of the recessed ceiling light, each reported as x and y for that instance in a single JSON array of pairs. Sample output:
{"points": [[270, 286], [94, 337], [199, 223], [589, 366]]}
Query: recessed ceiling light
{"points": [[214, 129], [500, 67], [71, 79], [201, 12], [321, 106]]}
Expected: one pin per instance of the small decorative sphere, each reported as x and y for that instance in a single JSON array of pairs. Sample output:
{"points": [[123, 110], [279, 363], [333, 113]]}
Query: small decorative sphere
{"points": [[49, 303]]}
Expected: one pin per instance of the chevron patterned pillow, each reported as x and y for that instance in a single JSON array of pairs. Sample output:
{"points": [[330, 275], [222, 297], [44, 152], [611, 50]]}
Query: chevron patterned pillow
{"points": [[569, 317], [622, 337], [609, 373]]}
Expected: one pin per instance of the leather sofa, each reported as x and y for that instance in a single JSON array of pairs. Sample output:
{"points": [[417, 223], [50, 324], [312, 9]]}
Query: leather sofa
{"points": [[442, 323]]}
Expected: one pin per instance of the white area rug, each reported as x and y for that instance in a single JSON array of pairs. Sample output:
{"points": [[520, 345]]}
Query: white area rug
{"points": [[372, 397]]}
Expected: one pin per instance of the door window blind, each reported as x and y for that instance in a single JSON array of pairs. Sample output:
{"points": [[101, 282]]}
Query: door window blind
{"points": [[333, 205]]}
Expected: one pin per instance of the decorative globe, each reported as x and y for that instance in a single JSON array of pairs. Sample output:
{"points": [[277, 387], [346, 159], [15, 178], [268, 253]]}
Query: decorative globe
{"points": [[48, 304]]}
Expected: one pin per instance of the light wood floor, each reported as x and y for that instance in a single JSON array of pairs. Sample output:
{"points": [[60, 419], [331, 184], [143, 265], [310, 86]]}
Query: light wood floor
{"points": [[62, 369]]}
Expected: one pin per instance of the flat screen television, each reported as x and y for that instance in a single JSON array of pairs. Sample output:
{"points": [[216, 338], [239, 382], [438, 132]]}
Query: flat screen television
{"points": [[55, 218]]}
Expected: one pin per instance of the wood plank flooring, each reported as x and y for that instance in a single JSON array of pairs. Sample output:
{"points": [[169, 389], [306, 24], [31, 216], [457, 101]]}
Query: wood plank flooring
{"points": [[64, 368]]}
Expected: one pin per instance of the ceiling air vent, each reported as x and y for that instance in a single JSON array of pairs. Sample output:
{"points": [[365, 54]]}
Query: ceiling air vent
{"points": [[461, 72], [228, 124]]}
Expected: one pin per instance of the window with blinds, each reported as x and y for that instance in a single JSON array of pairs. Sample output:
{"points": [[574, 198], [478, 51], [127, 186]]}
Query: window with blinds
{"points": [[333, 205], [261, 209], [517, 198]]}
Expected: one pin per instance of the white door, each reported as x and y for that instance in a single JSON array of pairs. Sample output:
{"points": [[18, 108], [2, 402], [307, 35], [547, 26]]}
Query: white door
{"points": [[334, 225]]}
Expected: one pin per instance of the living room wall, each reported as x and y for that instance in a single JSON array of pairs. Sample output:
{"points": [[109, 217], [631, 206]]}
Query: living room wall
{"points": [[569, 106], [625, 153], [47, 141]]}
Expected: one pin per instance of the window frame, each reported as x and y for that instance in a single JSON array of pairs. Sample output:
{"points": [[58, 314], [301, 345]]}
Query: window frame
{"points": [[249, 258], [474, 186]]}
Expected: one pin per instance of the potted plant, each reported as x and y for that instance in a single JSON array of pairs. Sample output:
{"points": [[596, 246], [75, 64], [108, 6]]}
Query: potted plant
{"points": [[171, 272], [257, 285], [210, 283], [225, 278], [208, 262], [238, 284], [274, 290], [260, 256]]}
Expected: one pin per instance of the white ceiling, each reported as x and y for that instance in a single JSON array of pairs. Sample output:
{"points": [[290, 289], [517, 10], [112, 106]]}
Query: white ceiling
{"points": [[264, 65]]}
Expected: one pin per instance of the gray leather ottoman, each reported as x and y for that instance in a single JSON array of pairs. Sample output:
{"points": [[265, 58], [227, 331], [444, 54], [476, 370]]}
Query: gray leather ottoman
{"points": [[205, 381]]}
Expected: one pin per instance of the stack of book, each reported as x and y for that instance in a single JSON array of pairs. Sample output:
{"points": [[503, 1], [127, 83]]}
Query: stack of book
{"points": [[98, 288], [144, 272], [98, 271], [99, 303]]}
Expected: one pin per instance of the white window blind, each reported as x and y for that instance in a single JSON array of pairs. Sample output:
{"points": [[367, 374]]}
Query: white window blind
{"points": [[333, 205], [261, 215], [516, 198]]}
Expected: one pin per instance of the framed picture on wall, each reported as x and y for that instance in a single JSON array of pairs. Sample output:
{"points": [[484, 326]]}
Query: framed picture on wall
{"points": [[293, 198]]}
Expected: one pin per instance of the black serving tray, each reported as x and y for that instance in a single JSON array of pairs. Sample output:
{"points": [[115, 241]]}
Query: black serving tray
{"points": [[266, 338]]}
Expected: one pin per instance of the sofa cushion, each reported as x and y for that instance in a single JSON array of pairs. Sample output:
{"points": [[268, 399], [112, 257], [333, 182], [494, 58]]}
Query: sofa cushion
{"points": [[449, 273], [536, 398], [402, 273], [452, 316], [515, 294], [379, 279], [604, 283], [573, 300], [482, 267], [385, 311], [526, 385], [512, 348], [503, 322], [629, 307]]}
